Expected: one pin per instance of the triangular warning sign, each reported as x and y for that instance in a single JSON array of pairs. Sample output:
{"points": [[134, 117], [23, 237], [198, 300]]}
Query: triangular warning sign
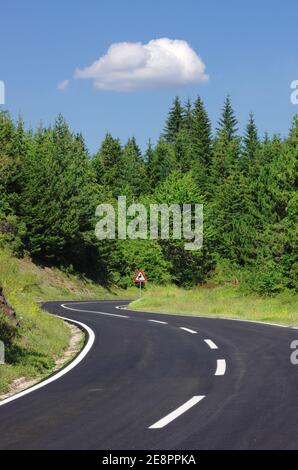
{"points": [[140, 277]]}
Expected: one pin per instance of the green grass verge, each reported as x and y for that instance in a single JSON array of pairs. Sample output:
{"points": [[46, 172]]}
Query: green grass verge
{"points": [[33, 346], [221, 301]]}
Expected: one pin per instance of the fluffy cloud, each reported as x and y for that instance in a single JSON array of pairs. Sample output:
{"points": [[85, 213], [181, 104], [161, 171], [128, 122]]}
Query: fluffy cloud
{"points": [[62, 86], [131, 66]]}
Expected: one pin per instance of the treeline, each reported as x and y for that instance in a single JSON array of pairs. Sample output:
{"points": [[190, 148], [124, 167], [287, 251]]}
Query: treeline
{"points": [[50, 186]]}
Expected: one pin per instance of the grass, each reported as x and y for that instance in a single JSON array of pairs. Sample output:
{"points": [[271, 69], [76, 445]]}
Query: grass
{"points": [[221, 301], [39, 339]]}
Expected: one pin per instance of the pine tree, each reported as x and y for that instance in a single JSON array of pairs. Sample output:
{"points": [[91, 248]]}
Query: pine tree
{"points": [[251, 146], [149, 155], [187, 267], [228, 192], [187, 115], [183, 150], [107, 163], [201, 138], [133, 177], [174, 121], [59, 197], [163, 162], [278, 238], [9, 166], [226, 147], [227, 125]]}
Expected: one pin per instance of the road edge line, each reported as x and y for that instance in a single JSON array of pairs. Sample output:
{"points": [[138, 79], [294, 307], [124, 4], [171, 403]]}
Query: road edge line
{"points": [[64, 370]]}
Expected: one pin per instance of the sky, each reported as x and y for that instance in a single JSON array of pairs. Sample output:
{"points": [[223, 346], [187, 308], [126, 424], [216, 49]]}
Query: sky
{"points": [[117, 65]]}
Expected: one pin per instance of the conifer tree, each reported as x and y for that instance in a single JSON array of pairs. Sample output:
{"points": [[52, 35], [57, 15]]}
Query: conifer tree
{"points": [[149, 155], [163, 162], [201, 138], [187, 115], [174, 121], [183, 149], [107, 163], [227, 124], [133, 179], [251, 145]]}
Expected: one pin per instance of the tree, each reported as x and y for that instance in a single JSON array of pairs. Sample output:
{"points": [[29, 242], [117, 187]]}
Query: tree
{"points": [[187, 116], [183, 150], [174, 121], [10, 164], [251, 144], [163, 162], [149, 156], [133, 177], [201, 137], [227, 125], [107, 163], [226, 148], [187, 267], [59, 197]]}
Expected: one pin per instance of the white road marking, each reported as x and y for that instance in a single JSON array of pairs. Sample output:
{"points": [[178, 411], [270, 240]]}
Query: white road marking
{"points": [[62, 372], [210, 344], [93, 311], [188, 330], [221, 367], [158, 321], [178, 412]]}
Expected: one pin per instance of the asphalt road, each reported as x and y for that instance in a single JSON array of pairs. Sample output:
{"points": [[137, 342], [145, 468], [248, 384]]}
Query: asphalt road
{"points": [[150, 385]]}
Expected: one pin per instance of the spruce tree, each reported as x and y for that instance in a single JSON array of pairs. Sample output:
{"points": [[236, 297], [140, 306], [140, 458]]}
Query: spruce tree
{"points": [[226, 147], [174, 121], [133, 177], [149, 155], [251, 145], [187, 115], [163, 162], [107, 163], [227, 124], [201, 138]]}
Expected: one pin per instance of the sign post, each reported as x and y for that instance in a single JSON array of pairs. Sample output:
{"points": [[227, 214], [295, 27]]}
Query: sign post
{"points": [[139, 278]]}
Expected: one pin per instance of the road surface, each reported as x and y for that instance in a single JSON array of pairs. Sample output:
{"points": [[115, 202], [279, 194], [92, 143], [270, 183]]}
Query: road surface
{"points": [[153, 381]]}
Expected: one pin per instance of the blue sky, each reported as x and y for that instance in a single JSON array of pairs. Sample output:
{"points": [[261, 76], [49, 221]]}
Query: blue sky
{"points": [[249, 49]]}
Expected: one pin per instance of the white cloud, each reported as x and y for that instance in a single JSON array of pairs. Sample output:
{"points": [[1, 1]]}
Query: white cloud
{"points": [[62, 86], [130, 66]]}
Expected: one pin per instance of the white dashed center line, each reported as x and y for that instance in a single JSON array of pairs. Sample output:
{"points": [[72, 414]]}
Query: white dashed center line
{"points": [[210, 344], [158, 321], [178, 412], [188, 330], [221, 367]]}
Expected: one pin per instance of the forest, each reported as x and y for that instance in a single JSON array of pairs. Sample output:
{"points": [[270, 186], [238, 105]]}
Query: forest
{"points": [[50, 186]]}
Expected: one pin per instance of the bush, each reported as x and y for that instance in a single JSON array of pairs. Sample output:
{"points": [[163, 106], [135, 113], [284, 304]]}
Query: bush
{"points": [[267, 281]]}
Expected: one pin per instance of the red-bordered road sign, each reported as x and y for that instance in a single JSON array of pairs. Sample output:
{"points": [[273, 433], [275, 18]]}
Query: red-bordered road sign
{"points": [[140, 277]]}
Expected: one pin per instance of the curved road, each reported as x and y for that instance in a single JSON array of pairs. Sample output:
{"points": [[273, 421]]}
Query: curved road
{"points": [[154, 381]]}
